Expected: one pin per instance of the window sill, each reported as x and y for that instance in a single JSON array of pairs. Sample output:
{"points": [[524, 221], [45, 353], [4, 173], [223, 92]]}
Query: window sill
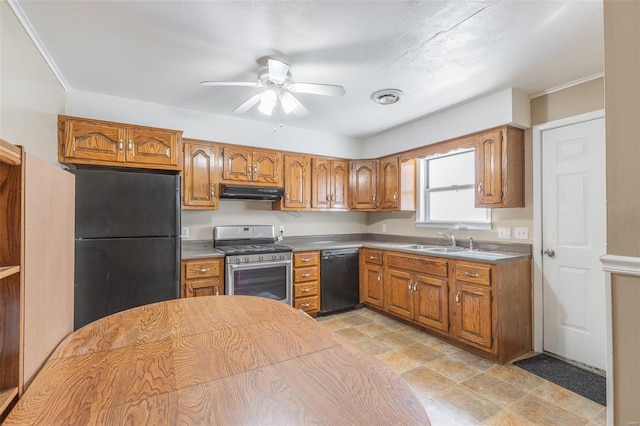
{"points": [[454, 225]]}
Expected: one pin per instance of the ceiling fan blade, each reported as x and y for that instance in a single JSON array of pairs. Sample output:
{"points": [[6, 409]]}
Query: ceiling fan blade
{"points": [[230, 83], [317, 89], [246, 105], [277, 70], [291, 105]]}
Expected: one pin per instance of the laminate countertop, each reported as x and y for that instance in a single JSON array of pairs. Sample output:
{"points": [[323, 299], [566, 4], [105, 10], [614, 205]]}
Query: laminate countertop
{"points": [[214, 360]]}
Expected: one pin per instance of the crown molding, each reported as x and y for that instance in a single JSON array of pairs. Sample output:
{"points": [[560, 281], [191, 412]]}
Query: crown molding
{"points": [[566, 85]]}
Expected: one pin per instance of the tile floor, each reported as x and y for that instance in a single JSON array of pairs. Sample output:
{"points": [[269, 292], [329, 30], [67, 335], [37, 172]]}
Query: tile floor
{"points": [[459, 388]]}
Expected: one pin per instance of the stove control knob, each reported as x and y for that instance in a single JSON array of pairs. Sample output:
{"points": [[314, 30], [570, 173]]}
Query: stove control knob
{"points": [[261, 258], [246, 259]]}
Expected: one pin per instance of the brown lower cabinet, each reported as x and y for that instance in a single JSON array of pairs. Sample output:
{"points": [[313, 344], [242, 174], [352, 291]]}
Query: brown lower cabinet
{"points": [[483, 308], [202, 277], [306, 281]]}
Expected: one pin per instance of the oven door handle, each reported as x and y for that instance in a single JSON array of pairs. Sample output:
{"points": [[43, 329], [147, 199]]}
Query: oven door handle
{"points": [[261, 264]]}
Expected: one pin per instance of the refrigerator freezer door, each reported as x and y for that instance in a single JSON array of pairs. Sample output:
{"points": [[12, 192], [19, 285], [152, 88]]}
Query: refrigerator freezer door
{"points": [[112, 275], [125, 204]]}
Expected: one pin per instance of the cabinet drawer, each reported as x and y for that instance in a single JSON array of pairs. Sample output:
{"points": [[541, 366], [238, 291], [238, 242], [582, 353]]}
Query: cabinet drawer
{"points": [[305, 274], [373, 256], [473, 273], [307, 304], [422, 264], [305, 289], [200, 269], [306, 258]]}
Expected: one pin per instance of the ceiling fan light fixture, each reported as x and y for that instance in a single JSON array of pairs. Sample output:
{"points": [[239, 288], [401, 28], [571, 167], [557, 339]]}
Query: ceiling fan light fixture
{"points": [[267, 102], [387, 96], [288, 102]]}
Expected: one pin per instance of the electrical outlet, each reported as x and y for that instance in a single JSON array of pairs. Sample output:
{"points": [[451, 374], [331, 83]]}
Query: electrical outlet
{"points": [[504, 233], [522, 233], [281, 230], [384, 227], [185, 232]]}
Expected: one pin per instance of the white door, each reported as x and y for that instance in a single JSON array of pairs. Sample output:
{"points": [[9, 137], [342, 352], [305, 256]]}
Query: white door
{"points": [[573, 239]]}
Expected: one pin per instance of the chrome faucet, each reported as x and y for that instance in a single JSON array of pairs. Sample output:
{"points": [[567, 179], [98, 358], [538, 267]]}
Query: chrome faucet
{"points": [[450, 237], [470, 243]]}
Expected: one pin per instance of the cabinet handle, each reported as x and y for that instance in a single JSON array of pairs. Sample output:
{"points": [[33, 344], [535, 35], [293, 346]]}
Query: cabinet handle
{"points": [[395, 197], [373, 257], [458, 298], [480, 188], [409, 284], [333, 198], [255, 172], [305, 275], [379, 278], [121, 145], [415, 287], [328, 198], [203, 270], [305, 290], [217, 293], [213, 192], [249, 171], [286, 199], [130, 146], [373, 199], [306, 259], [469, 274], [305, 305]]}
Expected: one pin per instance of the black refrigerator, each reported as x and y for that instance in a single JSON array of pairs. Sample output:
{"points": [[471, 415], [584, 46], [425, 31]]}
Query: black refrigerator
{"points": [[127, 242]]}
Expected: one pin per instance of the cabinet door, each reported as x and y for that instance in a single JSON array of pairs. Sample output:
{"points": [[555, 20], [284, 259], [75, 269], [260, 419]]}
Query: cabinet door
{"points": [[297, 182], [320, 183], [339, 182], [432, 302], [373, 286], [400, 292], [152, 147], [237, 165], [364, 184], [199, 176], [473, 321], [389, 183], [210, 287], [489, 168], [267, 167], [87, 141]]}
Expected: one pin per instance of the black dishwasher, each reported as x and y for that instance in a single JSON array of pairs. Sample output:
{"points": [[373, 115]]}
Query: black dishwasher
{"points": [[339, 280]]}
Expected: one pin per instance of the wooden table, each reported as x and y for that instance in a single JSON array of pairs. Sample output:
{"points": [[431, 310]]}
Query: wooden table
{"points": [[225, 360]]}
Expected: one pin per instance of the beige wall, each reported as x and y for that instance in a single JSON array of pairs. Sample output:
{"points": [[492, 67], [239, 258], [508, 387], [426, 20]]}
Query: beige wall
{"points": [[575, 100], [622, 100], [30, 95]]}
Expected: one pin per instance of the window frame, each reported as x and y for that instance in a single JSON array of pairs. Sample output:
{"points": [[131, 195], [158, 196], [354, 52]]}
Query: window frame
{"points": [[422, 208]]}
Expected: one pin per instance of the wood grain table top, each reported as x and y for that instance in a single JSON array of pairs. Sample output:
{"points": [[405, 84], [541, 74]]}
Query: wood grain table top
{"points": [[228, 360]]}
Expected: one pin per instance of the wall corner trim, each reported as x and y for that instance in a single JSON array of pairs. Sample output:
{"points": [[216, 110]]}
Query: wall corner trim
{"points": [[622, 265]]}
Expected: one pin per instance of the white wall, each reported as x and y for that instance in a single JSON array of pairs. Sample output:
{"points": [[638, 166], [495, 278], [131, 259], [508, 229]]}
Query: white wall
{"points": [[236, 212], [211, 127], [508, 106], [30, 95]]}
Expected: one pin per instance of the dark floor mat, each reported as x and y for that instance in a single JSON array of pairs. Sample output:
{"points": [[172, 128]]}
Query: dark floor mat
{"points": [[576, 379]]}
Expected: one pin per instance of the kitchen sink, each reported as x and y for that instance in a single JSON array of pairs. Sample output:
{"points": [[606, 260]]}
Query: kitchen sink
{"points": [[451, 249], [482, 255]]}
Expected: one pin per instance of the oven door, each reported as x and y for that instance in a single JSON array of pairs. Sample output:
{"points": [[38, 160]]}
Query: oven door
{"points": [[271, 279]]}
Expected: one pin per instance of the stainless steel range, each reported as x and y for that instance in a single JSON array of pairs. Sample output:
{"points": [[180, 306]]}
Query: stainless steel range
{"points": [[254, 264]]}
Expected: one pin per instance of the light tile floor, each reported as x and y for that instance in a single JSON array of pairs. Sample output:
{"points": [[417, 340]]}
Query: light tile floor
{"points": [[457, 387]]}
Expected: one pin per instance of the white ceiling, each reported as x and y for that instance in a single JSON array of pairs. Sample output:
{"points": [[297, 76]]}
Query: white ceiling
{"points": [[439, 53]]}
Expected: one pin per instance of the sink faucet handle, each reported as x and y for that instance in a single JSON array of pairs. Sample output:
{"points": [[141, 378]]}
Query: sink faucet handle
{"points": [[453, 239], [470, 243]]}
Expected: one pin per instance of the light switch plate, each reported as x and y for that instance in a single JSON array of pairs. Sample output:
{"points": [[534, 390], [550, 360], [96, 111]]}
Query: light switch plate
{"points": [[185, 232], [384, 227], [504, 233], [522, 233], [281, 229]]}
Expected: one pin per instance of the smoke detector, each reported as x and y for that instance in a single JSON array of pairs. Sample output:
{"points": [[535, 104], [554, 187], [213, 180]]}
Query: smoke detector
{"points": [[387, 96]]}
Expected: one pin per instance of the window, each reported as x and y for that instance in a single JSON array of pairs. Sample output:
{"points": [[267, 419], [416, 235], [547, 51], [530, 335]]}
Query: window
{"points": [[446, 186]]}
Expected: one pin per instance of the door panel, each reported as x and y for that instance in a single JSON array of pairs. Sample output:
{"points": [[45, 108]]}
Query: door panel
{"points": [[400, 285], [574, 227], [432, 302], [473, 317], [320, 183]]}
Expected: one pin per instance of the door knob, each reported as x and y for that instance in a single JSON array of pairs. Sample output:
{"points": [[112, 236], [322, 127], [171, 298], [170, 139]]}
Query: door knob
{"points": [[549, 252]]}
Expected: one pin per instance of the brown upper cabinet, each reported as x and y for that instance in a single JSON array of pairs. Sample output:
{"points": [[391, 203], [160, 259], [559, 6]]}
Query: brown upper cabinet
{"points": [[245, 165], [397, 184], [329, 184], [95, 142], [364, 185], [500, 168], [297, 183], [200, 175]]}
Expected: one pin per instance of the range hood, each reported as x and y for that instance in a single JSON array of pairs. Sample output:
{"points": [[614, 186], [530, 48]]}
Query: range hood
{"points": [[241, 192]]}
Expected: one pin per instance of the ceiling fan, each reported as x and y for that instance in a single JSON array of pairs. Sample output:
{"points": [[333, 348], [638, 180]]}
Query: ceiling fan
{"points": [[275, 77]]}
